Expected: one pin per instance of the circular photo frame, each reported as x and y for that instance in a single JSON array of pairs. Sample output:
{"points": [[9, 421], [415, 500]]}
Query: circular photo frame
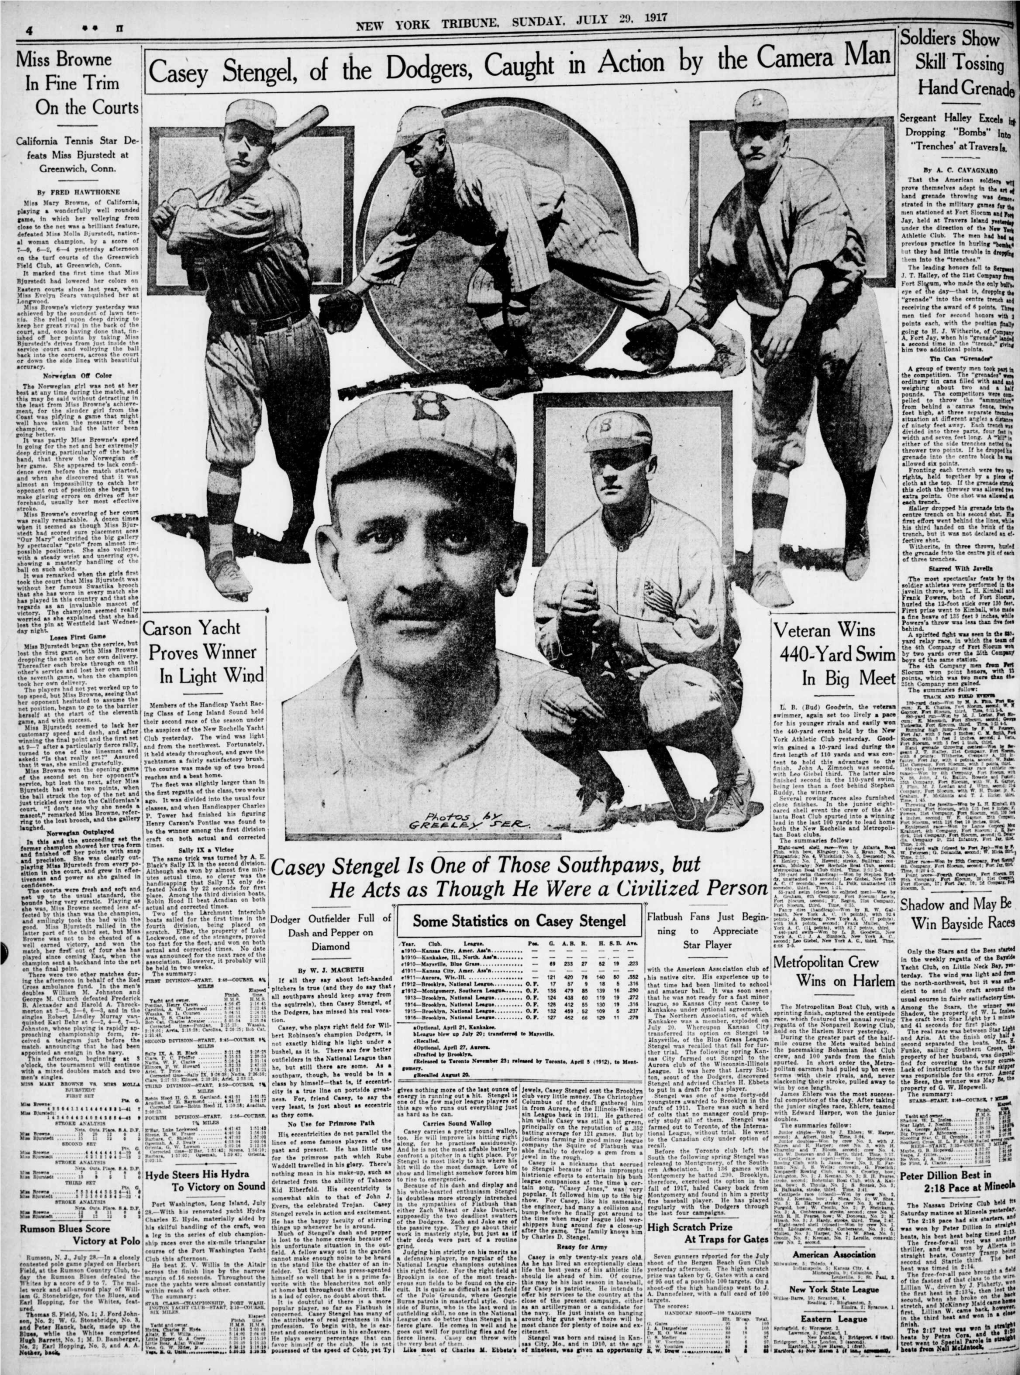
{"points": [[427, 320]]}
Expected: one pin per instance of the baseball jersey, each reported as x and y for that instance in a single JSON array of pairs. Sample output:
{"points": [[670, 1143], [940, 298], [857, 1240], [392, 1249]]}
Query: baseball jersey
{"points": [[757, 243], [667, 582], [336, 785], [492, 196], [248, 246]]}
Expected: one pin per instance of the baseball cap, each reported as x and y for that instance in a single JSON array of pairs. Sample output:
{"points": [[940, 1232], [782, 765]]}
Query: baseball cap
{"points": [[618, 430], [761, 106], [254, 111], [416, 122], [464, 430]]}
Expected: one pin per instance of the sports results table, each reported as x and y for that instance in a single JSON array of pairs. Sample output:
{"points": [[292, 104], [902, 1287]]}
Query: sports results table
{"points": [[533, 980], [543, 992]]}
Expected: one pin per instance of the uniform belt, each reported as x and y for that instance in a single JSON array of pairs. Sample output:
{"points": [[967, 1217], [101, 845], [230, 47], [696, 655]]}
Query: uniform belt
{"points": [[244, 324]]}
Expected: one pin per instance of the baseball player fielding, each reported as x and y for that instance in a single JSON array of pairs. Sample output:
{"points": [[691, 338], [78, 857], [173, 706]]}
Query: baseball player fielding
{"points": [[530, 221]]}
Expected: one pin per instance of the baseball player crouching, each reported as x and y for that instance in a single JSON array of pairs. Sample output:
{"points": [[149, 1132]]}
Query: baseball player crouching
{"points": [[642, 583], [530, 221], [263, 345], [784, 245]]}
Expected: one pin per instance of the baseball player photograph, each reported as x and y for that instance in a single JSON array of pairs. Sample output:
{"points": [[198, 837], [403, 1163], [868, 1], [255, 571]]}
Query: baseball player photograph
{"points": [[426, 726], [524, 219], [783, 244], [242, 241], [633, 605]]}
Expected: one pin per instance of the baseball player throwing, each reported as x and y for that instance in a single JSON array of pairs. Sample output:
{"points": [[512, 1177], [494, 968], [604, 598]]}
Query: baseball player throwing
{"points": [[263, 344], [783, 244], [531, 221], [645, 581]]}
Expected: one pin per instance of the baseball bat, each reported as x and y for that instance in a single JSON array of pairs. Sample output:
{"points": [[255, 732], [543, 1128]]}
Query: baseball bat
{"points": [[685, 809], [280, 140]]}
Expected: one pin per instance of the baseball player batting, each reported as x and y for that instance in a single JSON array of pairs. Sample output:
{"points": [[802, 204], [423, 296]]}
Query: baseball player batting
{"points": [[530, 221], [263, 346], [783, 243]]}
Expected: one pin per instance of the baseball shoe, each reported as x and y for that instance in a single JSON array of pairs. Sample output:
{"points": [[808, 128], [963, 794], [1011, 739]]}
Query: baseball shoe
{"points": [[515, 384], [768, 588], [290, 552], [730, 808], [857, 553], [226, 576], [596, 806], [593, 818]]}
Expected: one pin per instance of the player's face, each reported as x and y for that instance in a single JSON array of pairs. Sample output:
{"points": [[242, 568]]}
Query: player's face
{"points": [[620, 477], [425, 155], [760, 147], [246, 149], [419, 568]]}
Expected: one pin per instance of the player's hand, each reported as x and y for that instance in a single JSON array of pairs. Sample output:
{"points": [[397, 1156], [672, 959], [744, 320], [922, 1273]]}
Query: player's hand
{"points": [[579, 605], [163, 215], [730, 354], [163, 218], [607, 624], [783, 333], [570, 700]]}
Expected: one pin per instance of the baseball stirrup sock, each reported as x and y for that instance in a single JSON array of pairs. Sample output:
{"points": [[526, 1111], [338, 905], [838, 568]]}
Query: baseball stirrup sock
{"points": [[222, 496], [770, 493], [302, 491], [857, 488]]}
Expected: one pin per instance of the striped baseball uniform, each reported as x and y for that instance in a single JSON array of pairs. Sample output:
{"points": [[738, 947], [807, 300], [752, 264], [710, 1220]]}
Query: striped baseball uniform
{"points": [[533, 219], [756, 244], [677, 637], [263, 344], [336, 786]]}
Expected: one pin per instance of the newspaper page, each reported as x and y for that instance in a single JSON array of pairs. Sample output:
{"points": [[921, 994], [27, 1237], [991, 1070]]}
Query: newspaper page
{"points": [[509, 780]]}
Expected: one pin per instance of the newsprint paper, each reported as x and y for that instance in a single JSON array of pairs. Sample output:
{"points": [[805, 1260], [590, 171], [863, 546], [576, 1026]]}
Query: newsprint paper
{"points": [[509, 779]]}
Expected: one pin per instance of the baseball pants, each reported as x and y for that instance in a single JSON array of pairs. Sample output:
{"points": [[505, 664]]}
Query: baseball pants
{"points": [[676, 705], [288, 370], [854, 401], [583, 243]]}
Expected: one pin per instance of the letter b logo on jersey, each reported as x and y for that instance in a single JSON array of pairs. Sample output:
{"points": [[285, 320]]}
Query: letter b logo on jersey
{"points": [[429, 405]]}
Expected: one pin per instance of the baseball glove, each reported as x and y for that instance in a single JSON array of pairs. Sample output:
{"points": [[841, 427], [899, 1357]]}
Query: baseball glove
{"points": [[340, 311], [653, 343]]}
